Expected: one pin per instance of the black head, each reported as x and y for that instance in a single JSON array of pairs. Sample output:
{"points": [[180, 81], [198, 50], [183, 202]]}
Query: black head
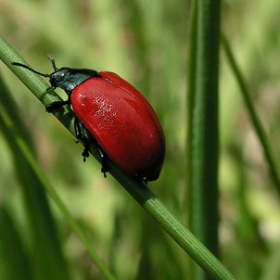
{"points": [[64, 78]]}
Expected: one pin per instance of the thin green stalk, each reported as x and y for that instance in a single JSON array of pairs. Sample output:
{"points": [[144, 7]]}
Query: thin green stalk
{"points": [[203, 130], [23, 148], [258, 127], [45, 245]]}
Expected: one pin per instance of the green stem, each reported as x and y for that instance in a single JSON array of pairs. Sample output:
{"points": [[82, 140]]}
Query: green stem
{"points": [[203, 139], [258, 127]]}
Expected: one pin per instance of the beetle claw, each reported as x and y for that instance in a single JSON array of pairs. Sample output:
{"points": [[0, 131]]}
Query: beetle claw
{"points": [[104, 170], [85, 154]]}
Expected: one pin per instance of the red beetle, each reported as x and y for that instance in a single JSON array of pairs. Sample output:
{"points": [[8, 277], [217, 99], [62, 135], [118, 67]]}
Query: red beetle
{"points": [[119, 118]]}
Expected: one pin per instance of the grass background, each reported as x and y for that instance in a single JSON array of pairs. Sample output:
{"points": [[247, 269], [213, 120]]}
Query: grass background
{"points": [[146, 43]]}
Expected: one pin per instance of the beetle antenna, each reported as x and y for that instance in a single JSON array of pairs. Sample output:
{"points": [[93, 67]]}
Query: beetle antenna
{"points": [[53, 62], [30, 69]]}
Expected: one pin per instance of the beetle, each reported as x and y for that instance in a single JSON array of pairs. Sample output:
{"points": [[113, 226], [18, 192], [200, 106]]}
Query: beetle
{"points": [[120, 119]]}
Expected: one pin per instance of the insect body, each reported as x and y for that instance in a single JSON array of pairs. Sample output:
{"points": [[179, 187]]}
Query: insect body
{"points": [[119, 118]]}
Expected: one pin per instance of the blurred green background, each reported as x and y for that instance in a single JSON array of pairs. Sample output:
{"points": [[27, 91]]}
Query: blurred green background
{"points": [[146, 42]]}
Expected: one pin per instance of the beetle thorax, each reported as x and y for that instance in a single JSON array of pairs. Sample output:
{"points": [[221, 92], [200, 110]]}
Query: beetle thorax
{"points": [[63, 79], [68, 78]]}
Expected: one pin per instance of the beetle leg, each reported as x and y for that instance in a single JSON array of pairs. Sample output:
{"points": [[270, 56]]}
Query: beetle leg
{"points": [[82, 138], [78, 130], [85, 154], [104, 168], [55, 105]]}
